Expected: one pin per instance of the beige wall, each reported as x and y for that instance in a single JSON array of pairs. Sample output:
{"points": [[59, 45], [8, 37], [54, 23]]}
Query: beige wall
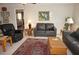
{"points": [[76, 16], [12, 9], [58, 12]]}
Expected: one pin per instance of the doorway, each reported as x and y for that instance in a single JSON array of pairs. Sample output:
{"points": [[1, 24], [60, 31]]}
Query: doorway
{"points": [[20, 19]]}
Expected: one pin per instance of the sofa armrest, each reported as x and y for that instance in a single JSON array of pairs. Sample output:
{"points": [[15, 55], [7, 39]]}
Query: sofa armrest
{"points": [[12, 33], [18, 31], [55, 30], [35, 31], [67, 32]]}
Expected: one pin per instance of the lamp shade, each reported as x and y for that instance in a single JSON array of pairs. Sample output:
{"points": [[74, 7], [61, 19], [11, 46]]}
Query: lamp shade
{"points": [[29, 21], [70, 21]]}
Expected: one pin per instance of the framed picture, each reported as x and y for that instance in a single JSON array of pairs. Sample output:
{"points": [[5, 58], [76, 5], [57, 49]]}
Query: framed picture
{"points": [[43, 15]]}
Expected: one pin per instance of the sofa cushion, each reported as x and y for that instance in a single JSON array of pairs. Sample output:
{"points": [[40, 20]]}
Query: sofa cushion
{"points": [[41, 26], [50, 27]]}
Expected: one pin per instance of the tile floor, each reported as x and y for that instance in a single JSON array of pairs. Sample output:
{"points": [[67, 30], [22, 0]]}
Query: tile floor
{"points": [[10, 50]]}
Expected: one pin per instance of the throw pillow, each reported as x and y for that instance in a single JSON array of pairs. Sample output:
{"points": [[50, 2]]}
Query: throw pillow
{"points": [[50, 27]]}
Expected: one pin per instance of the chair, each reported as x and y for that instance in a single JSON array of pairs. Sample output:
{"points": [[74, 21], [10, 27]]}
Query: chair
{"points": [[9, 30]]}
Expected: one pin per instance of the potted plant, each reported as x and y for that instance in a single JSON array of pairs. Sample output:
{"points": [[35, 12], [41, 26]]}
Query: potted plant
{"points": [[66, 25]]}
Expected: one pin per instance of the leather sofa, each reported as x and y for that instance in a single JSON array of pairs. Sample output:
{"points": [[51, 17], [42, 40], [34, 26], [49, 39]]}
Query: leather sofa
{"points": [[71, 41], [45, 29], [9, 30]]}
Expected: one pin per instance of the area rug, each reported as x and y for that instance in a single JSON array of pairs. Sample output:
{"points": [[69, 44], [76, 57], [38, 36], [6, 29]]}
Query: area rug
{"points": [[33, 47]]}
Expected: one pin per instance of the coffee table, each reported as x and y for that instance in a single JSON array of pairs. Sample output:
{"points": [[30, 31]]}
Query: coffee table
{"points": [[56, 46]]}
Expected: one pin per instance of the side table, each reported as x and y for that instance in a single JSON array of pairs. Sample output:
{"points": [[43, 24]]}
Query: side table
{"points": [[9, 39], [29, 31], [4, 40]]}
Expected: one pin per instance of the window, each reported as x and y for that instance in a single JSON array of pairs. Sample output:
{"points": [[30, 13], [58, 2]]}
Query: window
{"points": [[19, 16]]}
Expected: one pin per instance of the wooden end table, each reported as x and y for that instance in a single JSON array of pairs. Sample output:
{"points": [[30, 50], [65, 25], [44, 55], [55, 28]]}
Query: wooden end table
{"points": [[56, 46], [3, 41], [29, 31]]}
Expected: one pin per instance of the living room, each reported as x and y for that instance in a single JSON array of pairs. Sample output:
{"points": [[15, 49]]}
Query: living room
{"points": [[56, 14]]}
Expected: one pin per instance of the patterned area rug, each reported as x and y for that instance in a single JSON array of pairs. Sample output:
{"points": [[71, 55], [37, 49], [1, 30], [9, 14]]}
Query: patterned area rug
{"points": [[33, 47]]}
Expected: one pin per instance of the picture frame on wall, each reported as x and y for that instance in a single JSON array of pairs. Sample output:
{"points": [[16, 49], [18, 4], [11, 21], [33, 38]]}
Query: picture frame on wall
{"points": [[43, 15], [5, 15]]}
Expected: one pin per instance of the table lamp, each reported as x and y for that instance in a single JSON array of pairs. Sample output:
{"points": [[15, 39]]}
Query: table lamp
{"points": [[29, 24], [70, 22]]}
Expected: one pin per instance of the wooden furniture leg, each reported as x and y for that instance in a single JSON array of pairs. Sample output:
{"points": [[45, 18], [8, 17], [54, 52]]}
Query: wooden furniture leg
{"points": [[4, 44], [10, 41]]}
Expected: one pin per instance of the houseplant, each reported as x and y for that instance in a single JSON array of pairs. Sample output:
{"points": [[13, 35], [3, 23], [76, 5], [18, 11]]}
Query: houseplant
{"points": [[66, 25]]}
